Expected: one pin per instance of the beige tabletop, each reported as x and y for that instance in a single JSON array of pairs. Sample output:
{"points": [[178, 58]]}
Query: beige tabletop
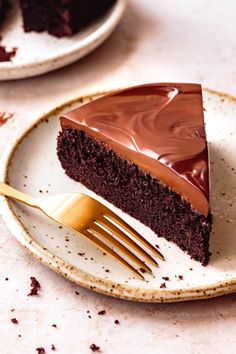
{"points": [[156, 41]]}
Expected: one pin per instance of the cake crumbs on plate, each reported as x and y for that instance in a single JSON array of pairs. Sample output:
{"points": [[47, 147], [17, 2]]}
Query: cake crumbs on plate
{"points": [[53, 347], [163, 285], [7, 55], [142, 270], [54, 325], [166, 278], [101, 313], [117, 322]]}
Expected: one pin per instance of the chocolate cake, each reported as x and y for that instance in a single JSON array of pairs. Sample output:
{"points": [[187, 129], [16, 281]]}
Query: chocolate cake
{"points": [[4, 7], [61, 17], [144, 149]]}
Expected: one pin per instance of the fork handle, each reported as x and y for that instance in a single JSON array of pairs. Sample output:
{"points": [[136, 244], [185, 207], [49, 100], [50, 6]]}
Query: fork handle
{"points": [[15, 194]]}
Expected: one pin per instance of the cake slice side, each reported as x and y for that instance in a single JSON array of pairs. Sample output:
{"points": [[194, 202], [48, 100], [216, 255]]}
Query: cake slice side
{"points": [[4, 7], [144, 149], [128, 187], [61, 18]]}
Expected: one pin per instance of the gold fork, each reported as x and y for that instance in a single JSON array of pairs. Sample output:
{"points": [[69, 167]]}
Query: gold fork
{"points": [[94, 221]]}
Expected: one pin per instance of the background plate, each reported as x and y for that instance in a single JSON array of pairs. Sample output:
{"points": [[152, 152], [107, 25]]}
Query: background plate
{"points": [[31, 165], [39, 53]]}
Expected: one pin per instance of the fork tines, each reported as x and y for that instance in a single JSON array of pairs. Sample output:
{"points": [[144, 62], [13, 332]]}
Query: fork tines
{"points": [[108, 228]]}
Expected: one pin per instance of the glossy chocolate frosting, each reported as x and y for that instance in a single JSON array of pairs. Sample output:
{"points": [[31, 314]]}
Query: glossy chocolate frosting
{"points": [[160, 128]]}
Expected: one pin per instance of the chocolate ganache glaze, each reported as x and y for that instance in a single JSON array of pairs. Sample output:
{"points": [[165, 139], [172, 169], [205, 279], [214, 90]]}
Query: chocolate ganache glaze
{"points": [[160, 128]]}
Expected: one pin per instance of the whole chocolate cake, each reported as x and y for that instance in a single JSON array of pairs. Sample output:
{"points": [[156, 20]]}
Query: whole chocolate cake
{"points": [[61, 17], [144, 149]]}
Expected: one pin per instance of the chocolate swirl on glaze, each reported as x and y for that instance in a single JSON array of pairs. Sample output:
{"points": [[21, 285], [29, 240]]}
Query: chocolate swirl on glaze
{"points": [[160, 128]]}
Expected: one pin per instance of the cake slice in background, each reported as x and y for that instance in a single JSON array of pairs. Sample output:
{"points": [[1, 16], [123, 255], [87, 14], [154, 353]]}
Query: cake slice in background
{"points": [[4, 7], [144, 149], [61, 17]]}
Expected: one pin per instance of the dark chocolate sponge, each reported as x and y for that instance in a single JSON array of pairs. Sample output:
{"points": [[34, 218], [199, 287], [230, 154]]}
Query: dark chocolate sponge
{"points": [[4, 7], [61, 17], [129, 188]]}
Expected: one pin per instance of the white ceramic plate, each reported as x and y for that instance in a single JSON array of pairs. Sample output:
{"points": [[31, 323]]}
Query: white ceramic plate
{"points": [[31, 165], [39, 53]]}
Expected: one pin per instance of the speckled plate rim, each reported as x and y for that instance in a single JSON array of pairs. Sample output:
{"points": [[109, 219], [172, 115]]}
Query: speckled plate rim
{"points": [[12, 71], [78, 276]]}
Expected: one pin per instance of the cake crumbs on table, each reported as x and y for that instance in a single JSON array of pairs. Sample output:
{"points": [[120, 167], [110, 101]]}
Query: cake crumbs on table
{"points": [[14, 320], [94, 347], [35, 286], [40, 350], [4, 117], [142, 270]]}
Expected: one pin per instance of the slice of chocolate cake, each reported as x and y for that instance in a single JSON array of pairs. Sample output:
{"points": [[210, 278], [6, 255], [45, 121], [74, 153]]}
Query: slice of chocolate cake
{"points": [[4, 7], [144, 149], [61, 17]]}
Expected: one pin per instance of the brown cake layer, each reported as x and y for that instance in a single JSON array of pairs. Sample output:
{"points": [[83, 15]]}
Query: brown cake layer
{"points": [[59, 17], [4, 7], [132, 190]]}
